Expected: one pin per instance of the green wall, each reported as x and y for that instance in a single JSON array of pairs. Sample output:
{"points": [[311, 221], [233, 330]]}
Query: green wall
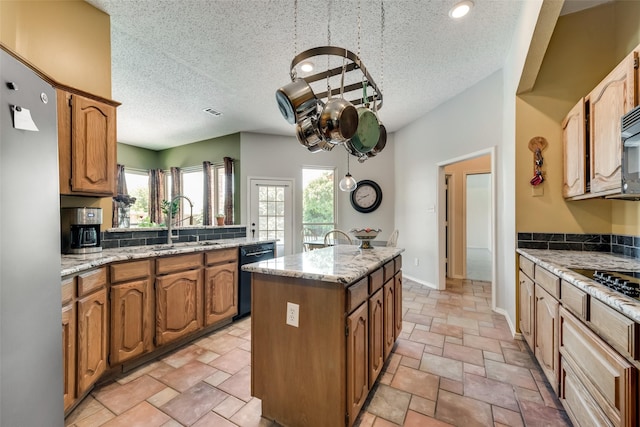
{"points": [[213, 150], [584, 48]]}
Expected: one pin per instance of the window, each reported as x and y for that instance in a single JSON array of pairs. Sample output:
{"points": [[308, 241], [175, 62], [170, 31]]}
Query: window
{"points": [[318, 202], [138, 187], [193, 188]]}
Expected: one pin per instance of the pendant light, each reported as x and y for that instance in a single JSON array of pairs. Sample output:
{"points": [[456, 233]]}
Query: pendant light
{"points": [[348, 183]]}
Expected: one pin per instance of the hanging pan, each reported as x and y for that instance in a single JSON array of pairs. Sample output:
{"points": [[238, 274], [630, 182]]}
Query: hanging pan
{"points": [[368, 132], [296, 100], [339, 118]]}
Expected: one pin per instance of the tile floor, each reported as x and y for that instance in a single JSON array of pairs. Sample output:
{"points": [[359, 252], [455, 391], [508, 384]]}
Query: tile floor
{"points": [[455, 364]]}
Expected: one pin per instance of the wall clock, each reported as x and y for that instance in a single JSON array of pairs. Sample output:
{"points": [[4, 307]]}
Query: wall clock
{"points": [[366, 197]]}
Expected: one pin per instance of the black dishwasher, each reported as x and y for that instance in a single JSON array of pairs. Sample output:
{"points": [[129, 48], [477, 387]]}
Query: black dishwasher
{"points": [[249, 254]]}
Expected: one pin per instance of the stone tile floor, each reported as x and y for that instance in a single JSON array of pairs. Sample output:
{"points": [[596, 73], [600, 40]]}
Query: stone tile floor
{"points": [[455, 364]]}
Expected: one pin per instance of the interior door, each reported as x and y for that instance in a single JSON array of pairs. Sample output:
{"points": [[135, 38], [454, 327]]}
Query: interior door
{"points": [[271, 212]]}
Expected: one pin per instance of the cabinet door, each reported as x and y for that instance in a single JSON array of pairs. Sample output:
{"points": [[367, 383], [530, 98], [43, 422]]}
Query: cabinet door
{"points": [[69, 354], [546, 335], [357, 361], [526, 308], [131, 320], [611, 99], [220, 293], [92, 339], [389, 324], [397, 312], [573, 139], [178, 305], [376, 336], [93, 146]]}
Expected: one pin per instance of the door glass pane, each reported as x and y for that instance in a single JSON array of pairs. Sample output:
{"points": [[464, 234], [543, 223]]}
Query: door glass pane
{"points": [[271, 211]]}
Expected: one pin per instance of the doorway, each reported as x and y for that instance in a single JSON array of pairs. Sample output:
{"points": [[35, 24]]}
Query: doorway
{"points": [[468, 221], [271, 212]]}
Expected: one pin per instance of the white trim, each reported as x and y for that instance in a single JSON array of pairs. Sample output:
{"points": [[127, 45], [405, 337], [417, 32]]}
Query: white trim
{"points": [[512, 327], [420, 282]]}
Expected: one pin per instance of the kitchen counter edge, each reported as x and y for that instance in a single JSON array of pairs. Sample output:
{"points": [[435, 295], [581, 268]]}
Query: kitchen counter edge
{"points": [[74, 264], [338, 264], [559, 262]]}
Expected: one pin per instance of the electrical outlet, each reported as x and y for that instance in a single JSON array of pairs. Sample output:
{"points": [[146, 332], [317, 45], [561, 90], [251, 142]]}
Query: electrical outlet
{"points": [[293, 314], [416, 262]]}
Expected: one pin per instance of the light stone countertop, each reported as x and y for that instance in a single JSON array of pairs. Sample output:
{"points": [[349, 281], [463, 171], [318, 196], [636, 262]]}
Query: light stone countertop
{"points": [[73, 264], [339, 264], [559, 263]]}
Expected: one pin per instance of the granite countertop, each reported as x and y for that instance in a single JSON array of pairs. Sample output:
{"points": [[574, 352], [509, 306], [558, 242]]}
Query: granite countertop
{"points": [[559, 263], [340, 264], [72, 264]]}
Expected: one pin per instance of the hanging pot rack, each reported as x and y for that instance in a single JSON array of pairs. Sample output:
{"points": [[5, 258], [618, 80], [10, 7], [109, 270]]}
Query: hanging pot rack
{"points": [[356, 65]]}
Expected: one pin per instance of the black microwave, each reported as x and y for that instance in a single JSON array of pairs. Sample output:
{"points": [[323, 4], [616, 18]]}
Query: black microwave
{"points": [[631, 152]]}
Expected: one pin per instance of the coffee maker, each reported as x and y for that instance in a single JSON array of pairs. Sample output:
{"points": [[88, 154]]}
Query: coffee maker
{"points": [[81, 230]]}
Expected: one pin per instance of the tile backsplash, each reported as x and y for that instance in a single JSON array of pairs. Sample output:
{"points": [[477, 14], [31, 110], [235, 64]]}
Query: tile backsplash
{"points": [[122, 237], [612, 243]]}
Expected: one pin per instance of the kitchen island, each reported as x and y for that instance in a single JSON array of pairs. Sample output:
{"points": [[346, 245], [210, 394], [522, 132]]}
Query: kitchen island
{"points": [[323, 324]]}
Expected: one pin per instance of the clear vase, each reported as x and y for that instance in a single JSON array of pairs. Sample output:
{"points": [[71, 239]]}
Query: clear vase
{"points": [[123, 217]]}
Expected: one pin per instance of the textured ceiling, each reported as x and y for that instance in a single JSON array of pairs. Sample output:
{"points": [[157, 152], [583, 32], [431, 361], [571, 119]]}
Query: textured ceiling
{"points": [[172, 59]]}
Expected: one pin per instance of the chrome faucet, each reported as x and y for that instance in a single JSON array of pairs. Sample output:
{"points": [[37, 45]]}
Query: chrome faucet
{"points": [[170, 219]]}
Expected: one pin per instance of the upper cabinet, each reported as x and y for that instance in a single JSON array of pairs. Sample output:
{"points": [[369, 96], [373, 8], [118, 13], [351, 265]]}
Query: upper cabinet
{"points": [[86, 145], [591, 134]]}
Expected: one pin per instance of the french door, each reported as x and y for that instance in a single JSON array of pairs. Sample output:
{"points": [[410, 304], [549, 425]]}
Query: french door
{"points": [[271, 212]]}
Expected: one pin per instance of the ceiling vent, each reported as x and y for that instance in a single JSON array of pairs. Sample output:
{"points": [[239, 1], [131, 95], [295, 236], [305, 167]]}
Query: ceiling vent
{"points": [[212, 112]]}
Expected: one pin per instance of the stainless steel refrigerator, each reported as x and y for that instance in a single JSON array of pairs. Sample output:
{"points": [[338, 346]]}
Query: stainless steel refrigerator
{"points": [[30, 308]]}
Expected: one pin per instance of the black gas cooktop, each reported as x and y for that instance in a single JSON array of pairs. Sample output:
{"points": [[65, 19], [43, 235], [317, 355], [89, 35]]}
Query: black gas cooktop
{"points": [[624, 282]]}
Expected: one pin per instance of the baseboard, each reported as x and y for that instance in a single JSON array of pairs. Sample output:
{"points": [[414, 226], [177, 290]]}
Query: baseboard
{"points": [[512, 327], [420, 282]]}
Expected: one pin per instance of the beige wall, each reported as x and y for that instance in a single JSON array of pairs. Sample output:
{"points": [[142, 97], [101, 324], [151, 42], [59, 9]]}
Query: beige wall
{"points": [[458, 212], [584, 47], [70, 41]]}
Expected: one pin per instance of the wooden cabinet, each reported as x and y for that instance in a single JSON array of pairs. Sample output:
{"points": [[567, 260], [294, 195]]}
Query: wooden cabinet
{"points": [[591, 133], [68, 342], [92, 332], [574, 143], [86, 145], [131, 310], [357, 361], [526, 308], [546, 334], [608, 102], [389, 322], [608, 380], [376, 336], [397, 311], [178, 305], [220, 286]]}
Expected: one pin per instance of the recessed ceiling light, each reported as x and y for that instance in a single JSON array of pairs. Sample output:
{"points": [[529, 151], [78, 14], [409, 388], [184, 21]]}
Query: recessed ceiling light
{"points": [[460, 9], [306, 66]]}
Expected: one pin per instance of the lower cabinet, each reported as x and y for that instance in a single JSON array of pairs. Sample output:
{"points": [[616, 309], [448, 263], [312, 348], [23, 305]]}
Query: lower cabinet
{"points": [[546, 336], [376, 336], [357, 360], [526, 307], [220, 286], [68, 342], [389, 322], [92, 338], [131, 310], [397, 312], [178, 305], [608, 381]]}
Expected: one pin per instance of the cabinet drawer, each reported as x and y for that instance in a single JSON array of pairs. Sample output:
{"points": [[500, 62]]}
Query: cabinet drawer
{"points": [[357, 294], [389, 270], [91, 280], [178, 263], [68, 289], [220, 256], [574, 299], [549, 281], [398, 263], [376, 280], [130, 271], [608, 377], [526, 265], [618, 330], [582, 409]]}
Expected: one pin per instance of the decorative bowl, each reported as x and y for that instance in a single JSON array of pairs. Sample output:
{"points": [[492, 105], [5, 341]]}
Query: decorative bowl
{"points": [[365, 235]]}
